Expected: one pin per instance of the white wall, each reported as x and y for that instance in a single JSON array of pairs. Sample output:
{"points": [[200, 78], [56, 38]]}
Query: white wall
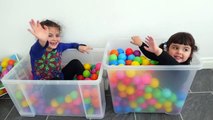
{"points": [[95, 21]]}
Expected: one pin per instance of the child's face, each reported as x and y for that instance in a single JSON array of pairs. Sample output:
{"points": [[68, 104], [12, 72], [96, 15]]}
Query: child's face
{"points": [[54, 38], [179, 52]]}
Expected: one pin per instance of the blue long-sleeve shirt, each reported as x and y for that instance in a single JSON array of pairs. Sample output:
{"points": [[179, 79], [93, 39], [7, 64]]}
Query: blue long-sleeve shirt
{"points": [[46, 65]]}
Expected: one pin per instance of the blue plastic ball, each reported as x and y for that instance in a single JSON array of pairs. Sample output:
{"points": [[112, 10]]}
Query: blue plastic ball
{"points": [[120, 50], [122, 56], [131, 57]]}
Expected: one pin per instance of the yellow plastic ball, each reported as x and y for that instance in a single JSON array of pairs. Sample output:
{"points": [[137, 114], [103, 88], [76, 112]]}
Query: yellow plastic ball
{"points": [[154, 83], [168, 109], [146, 62], [147, 96], [135, 63], [54, 103], [87, 66], [121, 87], [60, 111], [4, 64], [167, 104], [133, 104], [130, 73], [24, 103], [158, 106], [68, 99], [130, 90]]}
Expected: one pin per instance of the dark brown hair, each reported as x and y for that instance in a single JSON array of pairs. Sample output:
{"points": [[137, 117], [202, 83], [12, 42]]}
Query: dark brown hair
{"points": [[182, 38], [50, 23]]}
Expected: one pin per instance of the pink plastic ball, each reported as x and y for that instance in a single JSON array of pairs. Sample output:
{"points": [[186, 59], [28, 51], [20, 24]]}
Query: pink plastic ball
{"points": [[146, 79], [98, 66], [120, 75]]}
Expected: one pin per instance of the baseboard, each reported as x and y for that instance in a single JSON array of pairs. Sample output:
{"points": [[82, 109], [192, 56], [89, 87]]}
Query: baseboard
{"points": [[207, 62]]}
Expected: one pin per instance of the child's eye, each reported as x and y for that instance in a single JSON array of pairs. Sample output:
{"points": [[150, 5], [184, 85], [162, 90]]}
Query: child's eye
{"points": [[57, 35], [174, 47], [186, 50], [50, 35]]}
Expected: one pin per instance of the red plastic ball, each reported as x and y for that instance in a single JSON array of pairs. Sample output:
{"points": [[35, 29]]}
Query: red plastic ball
{"points": [[80, 77], [129, 51]]}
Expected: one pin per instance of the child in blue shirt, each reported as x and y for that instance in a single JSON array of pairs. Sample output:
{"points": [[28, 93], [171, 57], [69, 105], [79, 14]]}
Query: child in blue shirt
{"points": [[46, 53]]}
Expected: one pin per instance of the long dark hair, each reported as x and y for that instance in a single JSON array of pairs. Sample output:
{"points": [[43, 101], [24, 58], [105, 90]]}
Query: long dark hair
{"points": [[181, 38]]}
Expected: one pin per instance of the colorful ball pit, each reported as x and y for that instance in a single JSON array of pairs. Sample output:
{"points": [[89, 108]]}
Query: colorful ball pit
{"points": [[137, 91], [132, 57], [6, 64], [74, 101]]}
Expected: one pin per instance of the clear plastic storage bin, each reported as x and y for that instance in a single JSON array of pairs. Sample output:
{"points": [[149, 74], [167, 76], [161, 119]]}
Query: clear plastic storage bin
{"points": [[150, 88], [57, 97]]}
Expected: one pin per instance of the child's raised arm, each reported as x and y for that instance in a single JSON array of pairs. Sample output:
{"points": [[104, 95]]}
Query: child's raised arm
{"points": [[39, 32], [152, 46]]}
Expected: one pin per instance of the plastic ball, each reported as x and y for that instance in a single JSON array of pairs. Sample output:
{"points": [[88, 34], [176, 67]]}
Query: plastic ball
{"points": [[113, 62], [74, 95], [114, 51], [146, 79], [148, 89], [145, 62], [98, 66], [130, 57], [153, 62], [154, 83], [120, 50], [87, 66], [120, 75], [4, 64], [86, 73], [130, 73], [166, 92], [11, 62], [140, 100], [121, 87], [137, 53], [112, 57], [122, 56], [121, 62], [129, 51], [135, 63], [138, 59], [80, 77], [157, 93], [94, 77], [128, 62], [68, 99], [93, 71], [130, 90]]}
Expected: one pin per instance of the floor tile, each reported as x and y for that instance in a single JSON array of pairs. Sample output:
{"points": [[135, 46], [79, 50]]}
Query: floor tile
{"points": [[5, 107], [203, 81], [6, 96], [155, 116], [198, 106], [14, 115]]}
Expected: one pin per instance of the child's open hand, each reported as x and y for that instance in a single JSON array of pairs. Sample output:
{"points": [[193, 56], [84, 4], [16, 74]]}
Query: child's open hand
{"points": [[136, 40], [39, 32], [152, 46], [84, 49]]}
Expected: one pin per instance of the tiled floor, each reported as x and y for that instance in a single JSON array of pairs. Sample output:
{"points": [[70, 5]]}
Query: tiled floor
{"points": [[198, 106]]}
